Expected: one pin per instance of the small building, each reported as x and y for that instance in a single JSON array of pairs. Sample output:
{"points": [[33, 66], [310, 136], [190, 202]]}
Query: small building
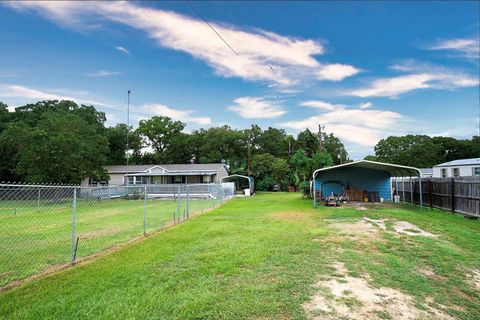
{"points": [[457, 168], [166, 174], [243, 184], [360, 179]]}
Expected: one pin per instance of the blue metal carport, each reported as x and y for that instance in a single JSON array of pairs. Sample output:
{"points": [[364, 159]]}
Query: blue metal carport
{"points": [[362, 174]]}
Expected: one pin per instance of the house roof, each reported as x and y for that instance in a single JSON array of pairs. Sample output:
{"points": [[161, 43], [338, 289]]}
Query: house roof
{"points": [[460, 162], [177, 168], [395, 170]]}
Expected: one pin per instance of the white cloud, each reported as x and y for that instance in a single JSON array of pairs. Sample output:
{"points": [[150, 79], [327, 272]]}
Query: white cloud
{"points": [[365, 105], [322, 105], [466, 47], [256, 108], [102, 73], [22, 94], [156, 109], [262, 55], [420, 77], [123, 49], [353, 125], [336, 72]]}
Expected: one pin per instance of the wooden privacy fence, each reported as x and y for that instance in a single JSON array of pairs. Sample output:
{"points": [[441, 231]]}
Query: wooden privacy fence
{"points": [[460, 194]]}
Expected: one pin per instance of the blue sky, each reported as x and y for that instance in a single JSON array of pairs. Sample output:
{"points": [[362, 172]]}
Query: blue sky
{"points": [[364, 70]]}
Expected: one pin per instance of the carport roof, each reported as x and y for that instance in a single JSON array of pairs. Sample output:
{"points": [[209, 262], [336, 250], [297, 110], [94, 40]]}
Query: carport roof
{"points": [[395, 170]]}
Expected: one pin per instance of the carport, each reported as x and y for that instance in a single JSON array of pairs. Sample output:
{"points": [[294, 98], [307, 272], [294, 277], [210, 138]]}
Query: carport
{"points": [[237, 178], [364, 175]]}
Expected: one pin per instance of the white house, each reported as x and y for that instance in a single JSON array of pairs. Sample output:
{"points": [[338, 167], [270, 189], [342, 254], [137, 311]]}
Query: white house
{"points": [[457, 168], [165, 174]]}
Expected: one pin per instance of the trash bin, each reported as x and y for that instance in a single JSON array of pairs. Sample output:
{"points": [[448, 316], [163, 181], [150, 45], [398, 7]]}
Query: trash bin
{"points": [[247, 192]]}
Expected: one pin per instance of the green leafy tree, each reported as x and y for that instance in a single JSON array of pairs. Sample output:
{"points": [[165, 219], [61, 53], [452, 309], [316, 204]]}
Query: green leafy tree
{"points": [[333, 146], [320, 160], [301, 164], [158, 133], [411, 150], [58, 149], [371, 157], [266, 167], [274, 141], [308, 141]]}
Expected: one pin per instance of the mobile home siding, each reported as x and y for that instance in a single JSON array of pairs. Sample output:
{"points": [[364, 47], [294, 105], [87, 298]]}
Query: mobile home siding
{"points": [[356, 178]]}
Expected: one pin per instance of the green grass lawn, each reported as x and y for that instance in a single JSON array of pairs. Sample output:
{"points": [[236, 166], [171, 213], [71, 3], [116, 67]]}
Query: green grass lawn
{"points": [[35, 237], [260, 258]]}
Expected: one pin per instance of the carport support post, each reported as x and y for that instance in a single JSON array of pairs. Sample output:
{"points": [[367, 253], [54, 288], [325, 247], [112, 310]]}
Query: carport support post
{"points": [[314, 194], [411, 191], [396, 188], [145, 211], [178, 205], [74, 222], [403, 189], [420, 190]]}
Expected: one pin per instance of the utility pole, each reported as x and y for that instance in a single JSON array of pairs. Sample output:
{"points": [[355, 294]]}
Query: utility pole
{"points": [[128, 122], [320, 145]]}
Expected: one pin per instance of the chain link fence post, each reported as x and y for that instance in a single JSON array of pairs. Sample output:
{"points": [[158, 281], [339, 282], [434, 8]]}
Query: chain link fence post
{"points": [[188, 199], [74, 222], [221, 193], [145, 211], [178, 205]]}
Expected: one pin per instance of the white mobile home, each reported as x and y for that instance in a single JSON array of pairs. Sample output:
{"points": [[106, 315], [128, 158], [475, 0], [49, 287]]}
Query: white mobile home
{"points": [[457, 168], [165, 174]]}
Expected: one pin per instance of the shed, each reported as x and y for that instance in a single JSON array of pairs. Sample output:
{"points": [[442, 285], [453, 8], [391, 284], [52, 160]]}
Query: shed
{"points": [[370, 176], [241, 182]]}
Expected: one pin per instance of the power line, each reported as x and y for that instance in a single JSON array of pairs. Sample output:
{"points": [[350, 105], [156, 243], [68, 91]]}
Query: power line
{"points": [[218, 34]]}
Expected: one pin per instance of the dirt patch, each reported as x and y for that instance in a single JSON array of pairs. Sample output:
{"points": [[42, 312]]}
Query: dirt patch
{"points": [[354, 298], [295, 215], [428, 272], [474, 276], [378, 222], [402, 227], [358, 230], [411, 229]]}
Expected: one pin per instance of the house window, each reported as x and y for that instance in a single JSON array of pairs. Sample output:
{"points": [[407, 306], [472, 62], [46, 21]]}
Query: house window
{"points": [[455, 172], [444, 173], [476, 171], [130, 180], [178, 179], [207, 179]]}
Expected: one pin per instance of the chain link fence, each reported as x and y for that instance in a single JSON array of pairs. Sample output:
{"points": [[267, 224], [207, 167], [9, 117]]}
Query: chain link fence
{"points": [[43, 227]]}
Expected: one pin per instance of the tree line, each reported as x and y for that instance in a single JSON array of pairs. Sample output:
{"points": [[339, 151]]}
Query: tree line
{"points": [[422, 151], [63, 142]]}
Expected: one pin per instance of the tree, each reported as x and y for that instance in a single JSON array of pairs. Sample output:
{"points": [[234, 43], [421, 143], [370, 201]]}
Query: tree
{"points": [[305, 166], [274, 141], [180, 150], [158, 132], [320, 160], [308, 141], [370, 157], [301, 164], [219, 144], [58, 149], [266, 167], [410, 150], [335, 148]]}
